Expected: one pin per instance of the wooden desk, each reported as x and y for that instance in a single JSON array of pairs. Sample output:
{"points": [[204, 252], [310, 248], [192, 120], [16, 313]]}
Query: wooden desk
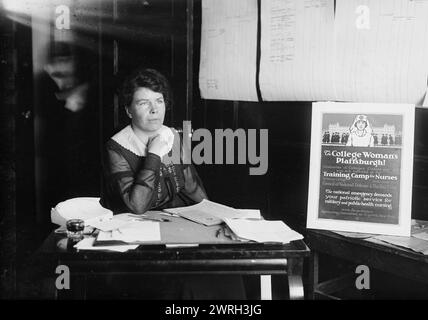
{"points": [[207, 258], [374, 254]]}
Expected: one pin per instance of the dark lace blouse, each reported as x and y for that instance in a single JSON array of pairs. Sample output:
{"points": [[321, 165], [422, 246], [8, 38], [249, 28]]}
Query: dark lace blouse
{"points": [[134, 183]]}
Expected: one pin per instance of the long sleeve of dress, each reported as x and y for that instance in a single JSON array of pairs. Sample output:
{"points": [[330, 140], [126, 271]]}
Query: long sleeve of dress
{"points": [[138, 191], [193, 187]]}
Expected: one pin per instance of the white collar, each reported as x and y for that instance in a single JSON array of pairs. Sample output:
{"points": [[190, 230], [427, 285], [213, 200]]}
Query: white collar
{"points": [[129, 140]]}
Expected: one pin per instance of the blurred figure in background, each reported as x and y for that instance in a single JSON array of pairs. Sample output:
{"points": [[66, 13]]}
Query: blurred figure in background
{"points": [[71, 123]]}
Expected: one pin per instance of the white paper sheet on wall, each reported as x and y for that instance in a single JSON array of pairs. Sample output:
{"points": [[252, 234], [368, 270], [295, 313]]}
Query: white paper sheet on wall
{"points": [[297, 46], [366, 51], [370, 51], [228, 50], [381, 50]]}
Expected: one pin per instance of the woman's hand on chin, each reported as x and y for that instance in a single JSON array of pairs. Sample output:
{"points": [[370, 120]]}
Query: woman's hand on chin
{"points": [[158, 145]]}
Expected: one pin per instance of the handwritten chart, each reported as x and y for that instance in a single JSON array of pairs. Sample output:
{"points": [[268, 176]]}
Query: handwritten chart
{"points": [[310, 50], [381, 51], [228, 50], [297, 47]]}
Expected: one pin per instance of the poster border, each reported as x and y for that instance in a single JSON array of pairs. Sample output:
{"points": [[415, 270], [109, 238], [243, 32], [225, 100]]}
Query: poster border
{"points": [[407, 111]]}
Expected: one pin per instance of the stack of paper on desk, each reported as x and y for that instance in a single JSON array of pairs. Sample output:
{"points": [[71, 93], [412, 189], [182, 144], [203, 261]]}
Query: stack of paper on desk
{"points": [[418, 241], [249, 214], [412, 243], [122, 233], [211, 213], [123, 219], [262, 230]]}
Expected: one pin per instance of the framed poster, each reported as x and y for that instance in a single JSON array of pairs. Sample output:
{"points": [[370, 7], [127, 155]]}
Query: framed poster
{"points": [[361, 167]]}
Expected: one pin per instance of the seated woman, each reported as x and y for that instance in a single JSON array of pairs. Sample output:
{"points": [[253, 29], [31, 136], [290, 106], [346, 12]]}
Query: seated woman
{"points": [[139, 175]]}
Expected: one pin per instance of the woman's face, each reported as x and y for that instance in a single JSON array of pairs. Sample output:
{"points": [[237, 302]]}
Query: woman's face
{"points": [[361, 124], [147, 110]]}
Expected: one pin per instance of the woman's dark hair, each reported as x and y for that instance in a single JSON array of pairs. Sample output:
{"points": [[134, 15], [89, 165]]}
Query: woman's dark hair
{"points": [[145, 78]]}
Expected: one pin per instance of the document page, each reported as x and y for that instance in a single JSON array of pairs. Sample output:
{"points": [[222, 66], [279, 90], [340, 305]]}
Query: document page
{"points": [[211, 213], [381, 50], [108, 224], [297, 50], [250, 213], [228, 50], [137, 231]]}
